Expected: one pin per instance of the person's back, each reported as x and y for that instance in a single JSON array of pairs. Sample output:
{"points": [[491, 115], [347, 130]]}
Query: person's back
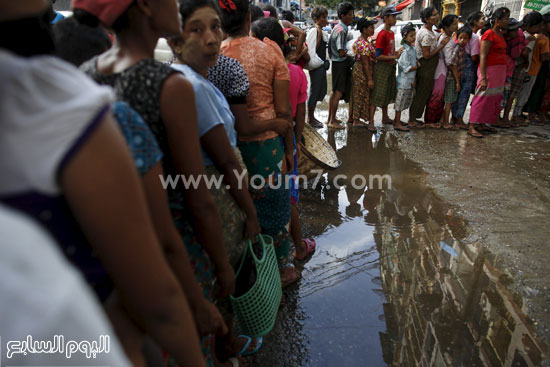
{"points": [[128, 86], [263, 64]]}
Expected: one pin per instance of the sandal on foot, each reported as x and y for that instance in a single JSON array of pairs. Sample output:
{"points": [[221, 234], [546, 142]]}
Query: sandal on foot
{"points": [[336, 126], [259, 342], [310, 249], [475, 135], [316, 124], [402, 128], [245, 346], [243, 352], [416, 125], [449, 127], [372, 129]]}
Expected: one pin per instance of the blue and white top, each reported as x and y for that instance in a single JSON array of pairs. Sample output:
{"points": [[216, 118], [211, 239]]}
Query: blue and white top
{"points": [[212, 107], [406, 61], [141, 141]]}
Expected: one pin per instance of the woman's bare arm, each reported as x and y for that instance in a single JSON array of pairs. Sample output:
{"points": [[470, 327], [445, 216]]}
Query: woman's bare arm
{"points": [[103, 190], [180, 118], [207, 317], [282, 109], [246, 126], [216, 144], [484, 52]]}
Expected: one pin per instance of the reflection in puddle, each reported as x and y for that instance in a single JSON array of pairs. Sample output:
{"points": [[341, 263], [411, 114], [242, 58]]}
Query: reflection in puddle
{"points": [[394, 281]]}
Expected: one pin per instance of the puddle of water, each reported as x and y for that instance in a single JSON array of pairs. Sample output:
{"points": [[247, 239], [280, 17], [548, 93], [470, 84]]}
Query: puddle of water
{"points": [[395, 279]]}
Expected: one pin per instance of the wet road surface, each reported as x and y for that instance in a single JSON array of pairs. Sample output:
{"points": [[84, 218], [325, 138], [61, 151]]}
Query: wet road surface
{"points": [[397, 279]]}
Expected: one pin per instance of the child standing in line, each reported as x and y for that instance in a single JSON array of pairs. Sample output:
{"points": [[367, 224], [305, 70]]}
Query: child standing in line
{"points": [[408, 64], [455, 68], [436, 103], [385, 84]]}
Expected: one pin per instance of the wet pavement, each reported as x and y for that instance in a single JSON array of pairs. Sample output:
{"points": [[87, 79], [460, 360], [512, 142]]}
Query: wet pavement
{"points": [[428, 271]]}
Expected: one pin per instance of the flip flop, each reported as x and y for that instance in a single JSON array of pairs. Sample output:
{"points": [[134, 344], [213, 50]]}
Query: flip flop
{"points": [[316, 125], [402, 129], [371, 129], [478, 135], [246, 345], [259, 340], [310, 248], [336, 126], [416, 126]]}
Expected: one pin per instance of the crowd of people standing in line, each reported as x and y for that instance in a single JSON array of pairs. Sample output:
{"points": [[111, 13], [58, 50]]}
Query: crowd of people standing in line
{"points": [[82, 149], [499, 60]]}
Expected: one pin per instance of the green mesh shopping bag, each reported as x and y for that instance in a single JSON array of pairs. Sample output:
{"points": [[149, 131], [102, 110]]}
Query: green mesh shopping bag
{"points": [[258, 288]]}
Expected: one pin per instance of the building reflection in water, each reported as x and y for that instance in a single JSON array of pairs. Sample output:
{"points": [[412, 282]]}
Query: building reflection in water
{"points": [[446, 302]]}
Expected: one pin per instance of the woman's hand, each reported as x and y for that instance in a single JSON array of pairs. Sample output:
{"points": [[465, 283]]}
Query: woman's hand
{"points": [[252, 228], [209, 319], [226, 280], [483, 85], [370, 84], [298, 151], [457, 87], [289, 162], [445, 40], [281, 126]]}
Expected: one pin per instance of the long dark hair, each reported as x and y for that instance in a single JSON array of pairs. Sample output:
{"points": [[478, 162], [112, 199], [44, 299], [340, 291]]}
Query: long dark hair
{"points": [[270, 28], [447, 21], [426, 13], [498, 14], [473, 18], [234, 17]]}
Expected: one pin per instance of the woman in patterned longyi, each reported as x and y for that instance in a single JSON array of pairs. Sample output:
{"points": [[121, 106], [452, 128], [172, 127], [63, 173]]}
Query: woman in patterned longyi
{"points": [[362, 82]]}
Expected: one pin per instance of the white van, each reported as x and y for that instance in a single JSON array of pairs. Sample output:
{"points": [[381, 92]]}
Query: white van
{"points": [[397, 30]]}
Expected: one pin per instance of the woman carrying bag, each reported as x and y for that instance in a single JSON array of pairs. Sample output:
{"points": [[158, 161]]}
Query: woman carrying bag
{"points": [[318, 63]]}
